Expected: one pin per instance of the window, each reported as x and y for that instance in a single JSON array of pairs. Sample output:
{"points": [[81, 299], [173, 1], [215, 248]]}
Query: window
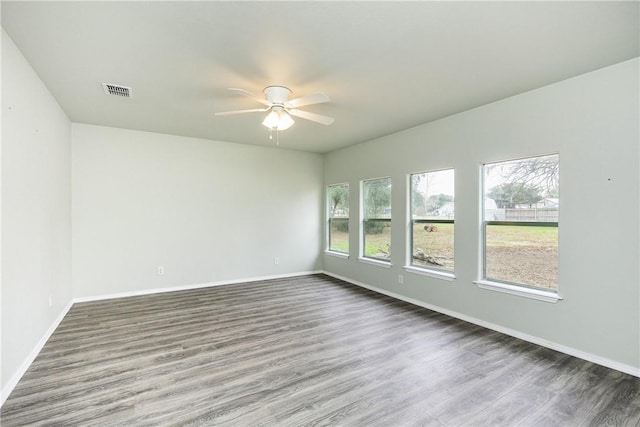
{"points": [[520, 222], [338, 203], [432, 214], [376, 209]]}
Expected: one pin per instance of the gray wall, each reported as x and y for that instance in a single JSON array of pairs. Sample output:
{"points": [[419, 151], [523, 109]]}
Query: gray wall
{"points": [[36, 210], [592, 122], [206, 211]]}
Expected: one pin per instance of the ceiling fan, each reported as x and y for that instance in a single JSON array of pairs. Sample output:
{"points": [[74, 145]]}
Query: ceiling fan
{"points": [[281, 108]]}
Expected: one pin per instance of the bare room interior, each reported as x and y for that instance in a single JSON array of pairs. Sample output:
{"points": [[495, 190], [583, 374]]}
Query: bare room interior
{"points": [[320, 213]]}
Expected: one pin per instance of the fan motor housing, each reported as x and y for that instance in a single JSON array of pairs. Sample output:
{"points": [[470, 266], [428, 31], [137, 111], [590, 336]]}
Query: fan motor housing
{"points": [[277, 94]]}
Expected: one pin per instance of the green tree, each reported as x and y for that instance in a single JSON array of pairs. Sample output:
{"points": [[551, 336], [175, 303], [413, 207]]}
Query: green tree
{"points": [[509, 194], [417, 198], [339, 199], [377, 195], [540, 172], [436, 201]]}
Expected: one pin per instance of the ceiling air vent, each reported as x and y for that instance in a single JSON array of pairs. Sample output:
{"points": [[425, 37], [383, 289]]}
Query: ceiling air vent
{"points": [[117, 90]]}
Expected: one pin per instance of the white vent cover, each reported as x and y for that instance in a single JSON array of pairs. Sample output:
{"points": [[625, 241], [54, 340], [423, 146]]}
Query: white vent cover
{"points": [[117, 90]]}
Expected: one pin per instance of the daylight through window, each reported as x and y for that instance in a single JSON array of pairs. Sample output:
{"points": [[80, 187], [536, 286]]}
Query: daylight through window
{"points": [[338, 203], [520, 222], [432, 219], [376, 204]]}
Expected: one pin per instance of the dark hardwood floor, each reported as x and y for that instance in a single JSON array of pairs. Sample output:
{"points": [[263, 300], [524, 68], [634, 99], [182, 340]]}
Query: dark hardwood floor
{"points": [[303, 351]]}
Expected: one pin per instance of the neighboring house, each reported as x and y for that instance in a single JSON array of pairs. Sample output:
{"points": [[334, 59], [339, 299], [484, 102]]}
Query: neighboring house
{"points": [[547, 203], [492, 211]]}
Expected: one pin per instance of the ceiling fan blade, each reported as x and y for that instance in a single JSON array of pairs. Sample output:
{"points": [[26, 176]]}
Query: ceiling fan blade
{"points": [[312, 116], [314, 98], [230, 113], [250, 95]]}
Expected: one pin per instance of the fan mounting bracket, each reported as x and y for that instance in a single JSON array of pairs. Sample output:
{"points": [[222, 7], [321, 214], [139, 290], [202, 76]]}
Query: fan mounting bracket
{"points": [[277, 95]]}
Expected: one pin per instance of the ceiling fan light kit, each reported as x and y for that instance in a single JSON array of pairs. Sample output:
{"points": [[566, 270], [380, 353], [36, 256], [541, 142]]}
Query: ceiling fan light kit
{"points": [[281, 109], [278, 119]]}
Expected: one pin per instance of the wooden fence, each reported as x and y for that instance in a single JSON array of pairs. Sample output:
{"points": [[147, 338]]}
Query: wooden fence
{"points": [[533, 214]]}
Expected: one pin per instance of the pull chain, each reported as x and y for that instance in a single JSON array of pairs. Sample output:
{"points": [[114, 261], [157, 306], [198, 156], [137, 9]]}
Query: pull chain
{"points": [[277, 135]]}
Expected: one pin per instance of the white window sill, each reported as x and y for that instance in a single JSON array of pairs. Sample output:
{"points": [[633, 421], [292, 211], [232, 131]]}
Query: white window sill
{"points": [[372, 261], [445, 275], [537, 294], [337, 254]]}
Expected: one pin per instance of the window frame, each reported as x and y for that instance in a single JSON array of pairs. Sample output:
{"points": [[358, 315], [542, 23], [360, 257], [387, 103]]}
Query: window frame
{"points": [[410, 265], [386, 262], [330, 219], [506, 286]]}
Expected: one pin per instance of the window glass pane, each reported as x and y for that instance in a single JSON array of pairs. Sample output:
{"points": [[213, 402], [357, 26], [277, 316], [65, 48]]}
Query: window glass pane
{"points": [[377, 239], [433, 245], [522, 190], [338, 201], [339, 235], [522, 254], [377, 214], [377, 198], [432, 198], [521, 212], [432, 195]]}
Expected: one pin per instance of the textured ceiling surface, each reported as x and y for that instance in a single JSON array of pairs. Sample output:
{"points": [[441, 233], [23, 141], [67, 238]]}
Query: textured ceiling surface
{"points": [[386, 66]]}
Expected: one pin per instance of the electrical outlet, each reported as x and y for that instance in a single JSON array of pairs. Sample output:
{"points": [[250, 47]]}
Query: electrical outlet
{"points": [[50, 300], [160, 270], [400, 279], [276, 261]]}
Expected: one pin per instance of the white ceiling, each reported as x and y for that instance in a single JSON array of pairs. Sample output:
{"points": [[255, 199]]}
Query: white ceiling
{"points": [[387, 66]]}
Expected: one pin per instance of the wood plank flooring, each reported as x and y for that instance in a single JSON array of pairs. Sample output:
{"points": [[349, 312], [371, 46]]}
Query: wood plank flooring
{"points": [[308, 350]]}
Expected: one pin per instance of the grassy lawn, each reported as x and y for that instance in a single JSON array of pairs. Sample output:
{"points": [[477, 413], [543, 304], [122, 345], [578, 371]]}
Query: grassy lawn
{"points": [[438, 244], [501, 235], [378, 244], [519, 254], [340, 241], [523, 254]]}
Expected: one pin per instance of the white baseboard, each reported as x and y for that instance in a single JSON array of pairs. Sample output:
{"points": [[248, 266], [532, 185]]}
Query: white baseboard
{"points": [[194, 286], [15, 378], [8, 388], [627, 369]]}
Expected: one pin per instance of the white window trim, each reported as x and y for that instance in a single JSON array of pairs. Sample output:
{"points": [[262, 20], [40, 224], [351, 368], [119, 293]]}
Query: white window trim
{"points": [[512, 289], [438, 274], [410, 266], [336, 254], [328, 249], [361, 227], [374, 261], [536, 294], [328, 239]]}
